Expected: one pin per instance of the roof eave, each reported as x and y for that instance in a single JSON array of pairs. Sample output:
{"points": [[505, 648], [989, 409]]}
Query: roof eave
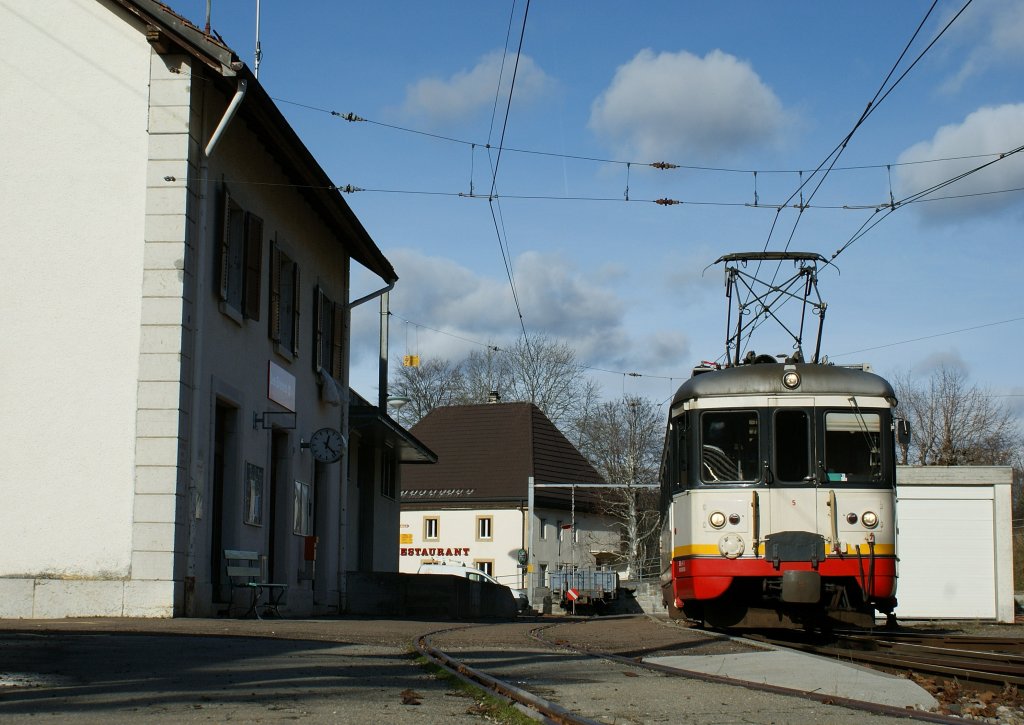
{"points": [[167, 30]]}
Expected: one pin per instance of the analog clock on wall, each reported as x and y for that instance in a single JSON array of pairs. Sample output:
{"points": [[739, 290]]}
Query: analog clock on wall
{"points": [[326, 445]]}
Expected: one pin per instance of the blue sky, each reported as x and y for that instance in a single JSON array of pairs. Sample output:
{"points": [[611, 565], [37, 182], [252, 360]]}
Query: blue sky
{"points": [[749, 86]]}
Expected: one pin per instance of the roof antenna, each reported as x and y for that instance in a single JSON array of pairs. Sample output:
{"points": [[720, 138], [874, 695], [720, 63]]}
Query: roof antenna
{"points": [[209, 3], [259, 53]]}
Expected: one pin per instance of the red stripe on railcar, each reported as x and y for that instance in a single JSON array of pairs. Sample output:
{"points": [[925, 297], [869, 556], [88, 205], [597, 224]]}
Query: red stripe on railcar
{"points": [[708, 578]]}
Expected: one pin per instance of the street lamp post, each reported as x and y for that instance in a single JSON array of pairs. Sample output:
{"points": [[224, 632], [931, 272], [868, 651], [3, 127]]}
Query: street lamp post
{"points": [[397, 402]]}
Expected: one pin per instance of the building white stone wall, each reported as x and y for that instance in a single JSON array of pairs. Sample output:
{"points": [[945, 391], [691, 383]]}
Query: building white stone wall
{"points": [[120, 351], [75, 156], [458, 541]]}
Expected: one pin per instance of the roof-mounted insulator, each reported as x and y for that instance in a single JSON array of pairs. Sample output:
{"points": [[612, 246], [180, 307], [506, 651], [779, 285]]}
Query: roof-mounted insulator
{"points": [[347, 116], [664, 165], [667, 202]]}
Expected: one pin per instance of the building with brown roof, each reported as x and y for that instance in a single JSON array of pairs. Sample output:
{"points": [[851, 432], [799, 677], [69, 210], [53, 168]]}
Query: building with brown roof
{"points": [[473, 506]]}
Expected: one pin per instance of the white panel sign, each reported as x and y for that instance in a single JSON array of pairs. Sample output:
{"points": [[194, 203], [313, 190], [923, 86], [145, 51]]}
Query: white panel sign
{"points": [[280, 385]]}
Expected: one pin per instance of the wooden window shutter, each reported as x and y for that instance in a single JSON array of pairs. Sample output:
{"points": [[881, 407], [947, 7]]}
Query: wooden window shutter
{"points": [[318, 328], [296, 297], [253, 266], [225, 238], [338, 315], [275, 293]]}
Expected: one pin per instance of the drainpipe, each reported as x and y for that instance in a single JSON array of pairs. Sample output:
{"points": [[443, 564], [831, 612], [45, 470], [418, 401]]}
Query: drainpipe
{"points": [[229, 114], [343, 508]]}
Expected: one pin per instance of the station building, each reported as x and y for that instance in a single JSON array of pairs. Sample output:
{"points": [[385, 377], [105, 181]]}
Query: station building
{"points": [[473, 506], [176, 306]]}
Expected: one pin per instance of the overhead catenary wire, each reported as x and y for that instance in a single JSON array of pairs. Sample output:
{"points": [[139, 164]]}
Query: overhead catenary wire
{"points": [[352, 189], [880, 95], [884, 90], [499, 228], [660, 165], [921, 196]]}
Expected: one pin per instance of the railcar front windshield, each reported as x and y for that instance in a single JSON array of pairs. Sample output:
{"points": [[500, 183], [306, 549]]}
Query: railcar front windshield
{"points": [[729, 446], [853, 447]]}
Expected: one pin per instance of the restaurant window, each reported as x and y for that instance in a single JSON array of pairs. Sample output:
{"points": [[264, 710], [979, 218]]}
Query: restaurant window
{"points": [[484, 528], [431, 528]]}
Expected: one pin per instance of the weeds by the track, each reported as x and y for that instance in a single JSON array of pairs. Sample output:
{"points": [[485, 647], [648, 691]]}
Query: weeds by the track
{"points": [[484, 704]]}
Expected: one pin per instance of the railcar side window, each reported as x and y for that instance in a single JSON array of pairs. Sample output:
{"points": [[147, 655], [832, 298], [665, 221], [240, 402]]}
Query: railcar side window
{"points": [[853, 450], [792, 445], [729, 446]]}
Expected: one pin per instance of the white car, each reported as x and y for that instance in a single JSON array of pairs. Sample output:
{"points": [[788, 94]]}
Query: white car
{"points": [[468, 572]]}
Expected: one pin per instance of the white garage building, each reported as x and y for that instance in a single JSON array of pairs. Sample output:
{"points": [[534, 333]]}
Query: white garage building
{"points": [[955, 543]]}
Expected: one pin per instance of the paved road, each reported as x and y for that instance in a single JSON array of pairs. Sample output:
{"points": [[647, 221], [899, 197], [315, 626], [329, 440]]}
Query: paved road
{"points": [[353, 670], [55, 672]]}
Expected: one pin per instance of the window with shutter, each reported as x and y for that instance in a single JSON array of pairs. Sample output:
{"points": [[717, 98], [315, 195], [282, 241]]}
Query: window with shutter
{"points": [[284, 301], [338, 320], [253, 266], [319, 359], [275, 293], [388, 479], [239, 261], [232, 254], [327, 331]]}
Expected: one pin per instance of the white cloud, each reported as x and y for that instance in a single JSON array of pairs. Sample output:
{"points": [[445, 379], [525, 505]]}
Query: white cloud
{"points": [[557, 299], [989, 130], [467, 91], [948, 359], [677, 105], [994, 30]]}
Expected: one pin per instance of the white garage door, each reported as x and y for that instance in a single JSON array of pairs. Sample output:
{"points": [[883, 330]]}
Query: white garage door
{"points": [[946, 549]]}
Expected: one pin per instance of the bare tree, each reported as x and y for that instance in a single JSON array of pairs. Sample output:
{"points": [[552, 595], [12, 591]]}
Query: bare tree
{"points": [[622, 439], [545, 372], [428, 386], [540, 371], [954, 423], [482, 373]]}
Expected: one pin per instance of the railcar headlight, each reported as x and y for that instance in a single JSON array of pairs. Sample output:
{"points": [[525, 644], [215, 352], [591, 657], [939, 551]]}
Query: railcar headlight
{"points": [[869, 519], [791, 379], [851, 518], [731, 546], [717, 519]]}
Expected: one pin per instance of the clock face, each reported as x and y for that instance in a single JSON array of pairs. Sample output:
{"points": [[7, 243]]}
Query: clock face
{"points": [[326, 445]]}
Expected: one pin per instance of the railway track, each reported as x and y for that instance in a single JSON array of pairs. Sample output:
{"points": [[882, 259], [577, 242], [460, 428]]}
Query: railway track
{"points": [[985, 663], [527, 678]]}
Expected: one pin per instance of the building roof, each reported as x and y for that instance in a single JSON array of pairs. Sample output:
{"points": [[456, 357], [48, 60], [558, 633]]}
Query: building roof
{"points": [[169, 32], [487, 453], [375, 423]]}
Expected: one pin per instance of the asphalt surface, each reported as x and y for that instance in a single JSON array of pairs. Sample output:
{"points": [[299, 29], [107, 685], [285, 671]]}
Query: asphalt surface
{"points": [[190, 671], [351, 670]]}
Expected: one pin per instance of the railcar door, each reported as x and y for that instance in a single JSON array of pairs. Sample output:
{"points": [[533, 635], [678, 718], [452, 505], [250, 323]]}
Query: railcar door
{"points": [[792, 489]]}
